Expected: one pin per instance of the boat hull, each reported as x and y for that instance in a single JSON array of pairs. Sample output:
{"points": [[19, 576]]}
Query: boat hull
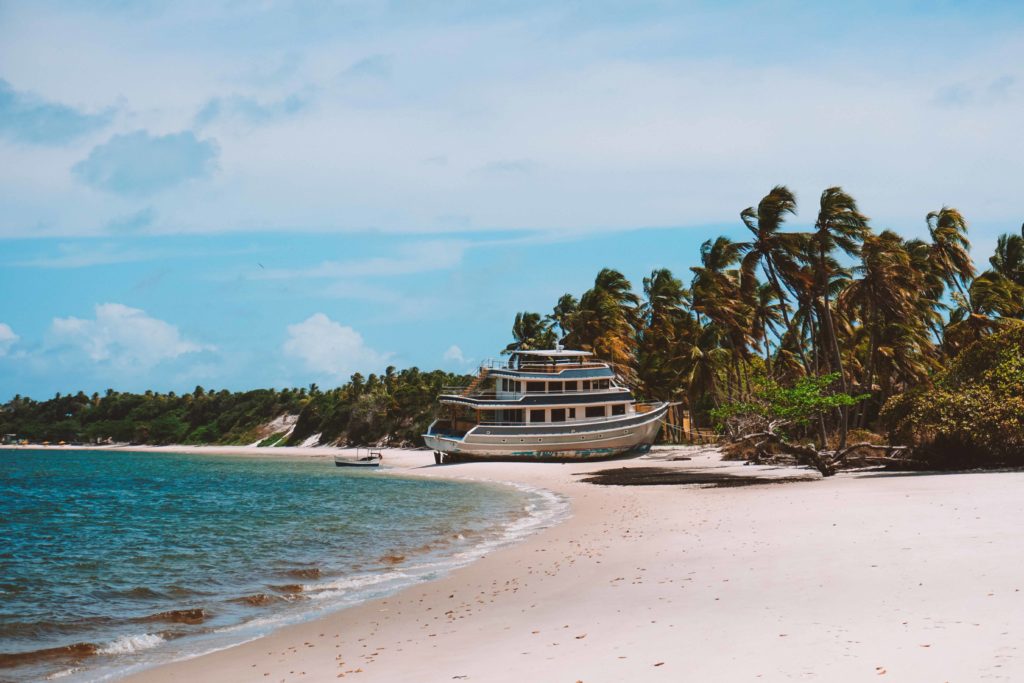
{"points": [[341, 462], [631, 435]]}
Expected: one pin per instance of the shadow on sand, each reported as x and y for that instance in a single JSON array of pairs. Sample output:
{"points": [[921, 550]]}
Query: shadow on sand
{"points": [[664, 476]]}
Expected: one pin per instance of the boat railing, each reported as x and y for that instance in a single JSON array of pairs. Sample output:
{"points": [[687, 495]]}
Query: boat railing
{"points": [[548, 368], [460, 392], [569, 423]]}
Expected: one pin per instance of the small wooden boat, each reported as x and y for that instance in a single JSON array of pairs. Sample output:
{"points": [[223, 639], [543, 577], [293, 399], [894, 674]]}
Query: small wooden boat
{"points": [[363, 457]]}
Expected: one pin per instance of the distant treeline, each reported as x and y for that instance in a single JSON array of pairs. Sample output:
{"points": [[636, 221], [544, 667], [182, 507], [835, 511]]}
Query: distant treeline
{"points": [[395, 407]]}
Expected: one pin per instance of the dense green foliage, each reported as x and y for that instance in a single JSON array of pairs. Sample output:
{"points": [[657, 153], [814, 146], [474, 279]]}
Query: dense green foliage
{"points": [[779, 407], [877, 314], [973, 413], [395, 407]]}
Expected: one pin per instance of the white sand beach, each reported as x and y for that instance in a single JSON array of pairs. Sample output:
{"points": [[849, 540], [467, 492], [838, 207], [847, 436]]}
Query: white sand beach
{"points": [[862, 576]]}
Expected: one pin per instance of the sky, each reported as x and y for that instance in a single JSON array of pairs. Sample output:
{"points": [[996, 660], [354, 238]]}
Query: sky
{"points": [[252, 194]]}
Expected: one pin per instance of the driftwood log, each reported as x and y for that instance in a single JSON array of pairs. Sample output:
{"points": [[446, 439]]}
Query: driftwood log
{"points": [[826, 461]]}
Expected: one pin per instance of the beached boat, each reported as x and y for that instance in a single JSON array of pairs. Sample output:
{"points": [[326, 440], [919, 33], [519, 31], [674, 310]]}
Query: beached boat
{"points": [[362, 458], [555, 405]]}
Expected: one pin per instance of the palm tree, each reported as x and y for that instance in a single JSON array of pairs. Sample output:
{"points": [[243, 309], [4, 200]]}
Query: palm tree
{"points": [[882, 295], [839, 226], [530, 331], [771, 249], [702, 382], [665, 333], [766, 315], [990, 297], [950, 248], [1008, 260], [718, 295], [563, 314], [606, 319]]}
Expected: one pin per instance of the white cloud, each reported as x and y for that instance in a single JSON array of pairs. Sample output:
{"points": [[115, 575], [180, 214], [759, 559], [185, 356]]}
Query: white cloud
{"points": [[7, 338], [331, 349], [582, 121], [121, 337], [454, 353]]}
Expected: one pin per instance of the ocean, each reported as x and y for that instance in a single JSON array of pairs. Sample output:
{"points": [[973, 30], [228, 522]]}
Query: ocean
{"points": [[115, 561]]}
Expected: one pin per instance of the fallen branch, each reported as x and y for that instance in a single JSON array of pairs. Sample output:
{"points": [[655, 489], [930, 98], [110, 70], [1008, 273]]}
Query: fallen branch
{"points": [[825, 461]]}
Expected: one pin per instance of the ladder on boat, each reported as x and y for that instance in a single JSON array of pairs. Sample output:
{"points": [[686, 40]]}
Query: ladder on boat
{"points": [[476, 381]]}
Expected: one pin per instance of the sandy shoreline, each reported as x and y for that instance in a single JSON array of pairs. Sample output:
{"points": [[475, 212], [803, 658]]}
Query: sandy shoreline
{"points": [[905, 577]]}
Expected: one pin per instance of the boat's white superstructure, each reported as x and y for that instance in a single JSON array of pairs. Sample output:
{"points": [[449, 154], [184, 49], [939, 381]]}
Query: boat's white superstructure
{"points": [[551, 404]]}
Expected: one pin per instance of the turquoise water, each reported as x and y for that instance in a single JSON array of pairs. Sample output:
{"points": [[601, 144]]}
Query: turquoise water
{"points": [[111, 561]]}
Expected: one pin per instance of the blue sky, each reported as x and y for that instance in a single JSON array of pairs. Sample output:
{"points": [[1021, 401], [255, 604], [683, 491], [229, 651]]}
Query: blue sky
{"points": [[277, 193]]}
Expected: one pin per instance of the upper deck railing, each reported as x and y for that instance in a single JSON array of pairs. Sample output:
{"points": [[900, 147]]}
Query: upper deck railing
{"points": [[540, 367], [460, 392]]}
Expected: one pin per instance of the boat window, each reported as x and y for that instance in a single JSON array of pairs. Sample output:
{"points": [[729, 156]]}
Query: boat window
{"points": [[535, 387], [595, 411], [572, 413], [586, 385], [570, 386], [554, 387], [619, 409], [558, 415], [536, 416]]}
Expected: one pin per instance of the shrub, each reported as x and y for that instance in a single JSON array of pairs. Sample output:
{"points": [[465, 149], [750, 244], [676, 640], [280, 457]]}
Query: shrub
{"points": [[973, 415]]}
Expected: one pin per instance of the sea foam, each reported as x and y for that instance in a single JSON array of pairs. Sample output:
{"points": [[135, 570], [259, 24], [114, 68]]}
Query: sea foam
{"points": [[129, 644]]}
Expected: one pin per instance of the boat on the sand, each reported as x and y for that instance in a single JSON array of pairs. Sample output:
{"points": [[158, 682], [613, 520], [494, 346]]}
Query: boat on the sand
{"points": [[550, 405], [362, 458]]}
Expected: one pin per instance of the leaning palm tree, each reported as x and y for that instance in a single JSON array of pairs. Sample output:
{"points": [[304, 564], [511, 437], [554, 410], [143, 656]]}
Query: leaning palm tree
{"points": [[882, 294], [770, 248], [718, 295], [605, 321], [931, 286], [839, 226], [950, 248]]}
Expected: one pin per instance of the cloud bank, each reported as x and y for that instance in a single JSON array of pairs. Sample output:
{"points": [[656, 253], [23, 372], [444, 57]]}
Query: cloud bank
{"points": [[139, 164], [27, 118], [530, 115], [119, 337]]}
